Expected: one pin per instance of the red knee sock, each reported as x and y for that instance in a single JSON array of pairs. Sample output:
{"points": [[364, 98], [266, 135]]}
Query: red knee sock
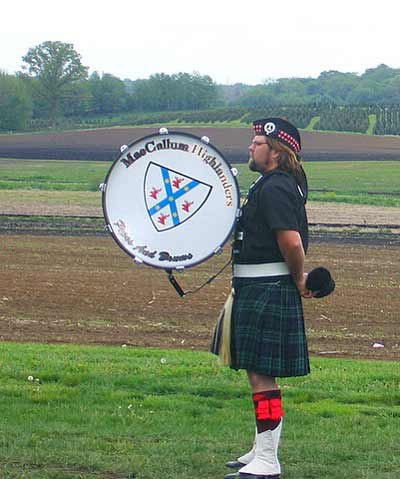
{"points": [[268, 408]]}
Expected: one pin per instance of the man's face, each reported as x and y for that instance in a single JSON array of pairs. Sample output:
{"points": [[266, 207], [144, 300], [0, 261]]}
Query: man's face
{"points": [[261, 156]]}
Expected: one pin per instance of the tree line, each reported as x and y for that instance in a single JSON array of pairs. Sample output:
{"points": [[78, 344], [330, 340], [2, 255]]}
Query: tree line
{"points": [[53, 84]]}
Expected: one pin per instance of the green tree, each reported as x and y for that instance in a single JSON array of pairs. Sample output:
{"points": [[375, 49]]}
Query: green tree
{"points": [[380, 73], [15, 103], [180, 91], [56, 65], [108, 93], [76, 99]]}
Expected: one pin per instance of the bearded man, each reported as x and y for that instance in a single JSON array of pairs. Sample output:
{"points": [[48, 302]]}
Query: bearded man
{"points": [[267, 326]]}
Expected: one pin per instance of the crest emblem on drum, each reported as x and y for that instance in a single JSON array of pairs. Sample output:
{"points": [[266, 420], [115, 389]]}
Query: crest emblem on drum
{"points": [[172, 197]]}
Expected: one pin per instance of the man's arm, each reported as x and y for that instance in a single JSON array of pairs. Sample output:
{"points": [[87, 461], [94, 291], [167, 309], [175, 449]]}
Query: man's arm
{"points": [[289, 242]]}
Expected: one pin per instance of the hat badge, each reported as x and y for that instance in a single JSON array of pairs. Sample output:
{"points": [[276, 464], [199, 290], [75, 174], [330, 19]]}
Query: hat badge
{"points": [[269, 127]]}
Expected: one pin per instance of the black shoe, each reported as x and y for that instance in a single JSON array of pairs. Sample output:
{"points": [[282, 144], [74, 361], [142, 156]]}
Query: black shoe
{"points": [[233, 475], [245, 475], [235, 464], [239, 475]]}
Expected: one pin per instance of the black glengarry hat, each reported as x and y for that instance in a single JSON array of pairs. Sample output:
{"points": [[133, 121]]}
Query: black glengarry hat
{"points": [[280, 130], [320, 282]]}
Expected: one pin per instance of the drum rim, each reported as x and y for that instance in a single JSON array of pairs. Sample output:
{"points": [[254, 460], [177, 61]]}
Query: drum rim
{"points": [[119, 243]]}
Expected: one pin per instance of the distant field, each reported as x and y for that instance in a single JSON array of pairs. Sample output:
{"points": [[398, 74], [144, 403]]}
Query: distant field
{"points": [[369, 182], [103, 144], [51, 175]]}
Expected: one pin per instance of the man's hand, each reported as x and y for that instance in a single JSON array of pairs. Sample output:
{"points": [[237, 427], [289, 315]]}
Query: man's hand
{"points": [[301, 286]]}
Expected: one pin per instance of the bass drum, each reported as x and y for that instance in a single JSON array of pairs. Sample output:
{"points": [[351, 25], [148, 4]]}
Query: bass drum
{"points": [[171, 200]]}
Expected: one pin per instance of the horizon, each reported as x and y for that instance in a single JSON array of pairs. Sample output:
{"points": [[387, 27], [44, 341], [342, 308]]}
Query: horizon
{"points": [[232, 43], [266, 81]]}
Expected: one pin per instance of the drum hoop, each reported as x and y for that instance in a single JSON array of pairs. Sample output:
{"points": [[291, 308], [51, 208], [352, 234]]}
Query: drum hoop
{"points": [[111, 231]]}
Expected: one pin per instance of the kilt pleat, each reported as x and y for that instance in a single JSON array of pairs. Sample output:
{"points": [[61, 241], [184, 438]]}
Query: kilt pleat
{"points": [[267, 332]]}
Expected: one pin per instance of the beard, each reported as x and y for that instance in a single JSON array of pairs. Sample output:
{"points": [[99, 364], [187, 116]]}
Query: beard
{"points": [[251, 164]]}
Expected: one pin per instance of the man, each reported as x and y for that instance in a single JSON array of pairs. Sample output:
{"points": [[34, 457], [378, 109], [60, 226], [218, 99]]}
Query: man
{"points": [[267, 326]]}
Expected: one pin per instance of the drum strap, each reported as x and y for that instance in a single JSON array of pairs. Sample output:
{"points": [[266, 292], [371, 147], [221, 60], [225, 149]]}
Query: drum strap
{"points": [[175, 283], [183, 293]]}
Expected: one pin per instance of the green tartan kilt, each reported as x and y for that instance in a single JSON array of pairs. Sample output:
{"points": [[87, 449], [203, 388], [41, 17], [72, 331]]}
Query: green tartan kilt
{"points": [[267, 331]]}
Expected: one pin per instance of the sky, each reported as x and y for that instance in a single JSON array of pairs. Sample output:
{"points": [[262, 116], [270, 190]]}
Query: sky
{"points": [[233, 42]]}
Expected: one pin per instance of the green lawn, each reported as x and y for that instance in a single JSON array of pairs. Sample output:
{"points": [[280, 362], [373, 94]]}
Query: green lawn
{"points": [[46, 197], [51, 175], [346, 181], [123, 412]]}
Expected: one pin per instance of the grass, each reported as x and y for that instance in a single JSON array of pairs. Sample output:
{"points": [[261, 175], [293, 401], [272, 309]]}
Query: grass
{"points": [[181, 124], [346, 181], [124, 412], [238, 123], [45, 197], [51, 175], [356, 199], [69, 181], [371, 124], [313, 122], [173, 123]]}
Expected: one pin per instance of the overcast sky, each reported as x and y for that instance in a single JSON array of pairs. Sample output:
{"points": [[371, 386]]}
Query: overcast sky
{"points": [[247, 43]]}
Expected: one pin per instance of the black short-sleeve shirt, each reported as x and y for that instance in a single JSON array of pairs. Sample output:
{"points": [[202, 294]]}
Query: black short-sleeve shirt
{"points": [[275, 202]]}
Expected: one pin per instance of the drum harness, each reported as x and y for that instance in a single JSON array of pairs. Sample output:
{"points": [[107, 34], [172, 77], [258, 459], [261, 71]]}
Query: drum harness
{"points": [[236, 245], [183, 293]]}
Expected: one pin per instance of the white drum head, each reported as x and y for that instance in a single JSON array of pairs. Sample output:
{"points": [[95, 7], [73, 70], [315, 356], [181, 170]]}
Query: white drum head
{"points": [[170, 200]]}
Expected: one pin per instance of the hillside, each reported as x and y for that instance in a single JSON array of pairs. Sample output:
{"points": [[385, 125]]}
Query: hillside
{"points": [[103, 144]]}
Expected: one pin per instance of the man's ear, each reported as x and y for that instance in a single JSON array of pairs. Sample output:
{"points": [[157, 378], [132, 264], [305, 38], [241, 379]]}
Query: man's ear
{"points": [[274, 154]]}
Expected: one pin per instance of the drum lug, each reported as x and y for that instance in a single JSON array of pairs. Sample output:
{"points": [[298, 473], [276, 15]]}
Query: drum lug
{"points": [[108, 228], [163, 131], [102, 187], [234, 171], [238, 213], [122, 148], [205, 140], [138, 261], [218, 250], [180, 269]]}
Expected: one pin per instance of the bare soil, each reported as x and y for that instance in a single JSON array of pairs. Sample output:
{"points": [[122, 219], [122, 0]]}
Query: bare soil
{"points": [[54, 203], [342, 213], [12, 206], [103, 144], [86, 290]]}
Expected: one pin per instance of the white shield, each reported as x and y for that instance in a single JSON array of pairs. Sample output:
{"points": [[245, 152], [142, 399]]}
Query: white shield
{"points": [[171, 197]]}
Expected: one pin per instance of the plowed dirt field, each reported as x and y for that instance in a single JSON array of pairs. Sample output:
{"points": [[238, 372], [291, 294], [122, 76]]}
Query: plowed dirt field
{"points": [[103, 144], [85, 290]]}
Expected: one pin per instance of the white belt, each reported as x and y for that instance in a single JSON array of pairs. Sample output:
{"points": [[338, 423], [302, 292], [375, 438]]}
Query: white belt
{"points": [[260, 270]]}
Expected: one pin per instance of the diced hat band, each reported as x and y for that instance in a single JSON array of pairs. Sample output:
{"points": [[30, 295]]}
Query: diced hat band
{"points": [[279, 129]]}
